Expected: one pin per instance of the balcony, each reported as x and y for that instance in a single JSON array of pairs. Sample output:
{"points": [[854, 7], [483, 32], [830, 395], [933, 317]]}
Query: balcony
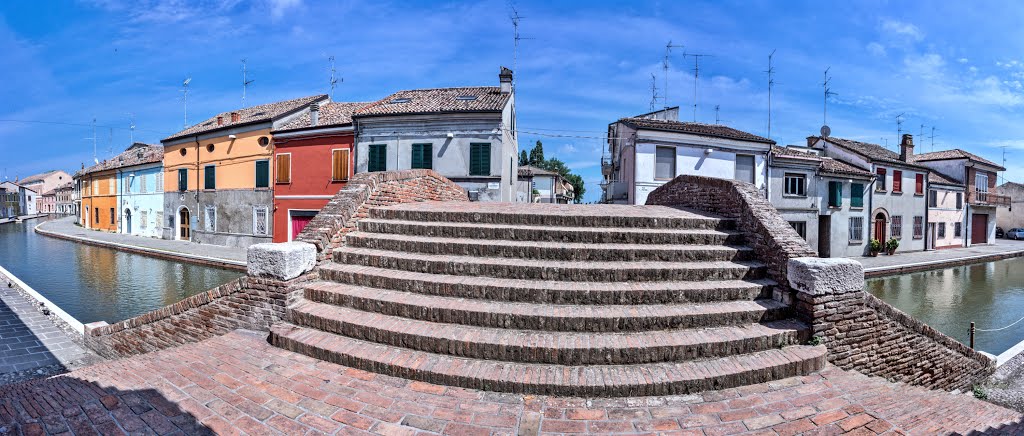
{"points": [[978, 198]]}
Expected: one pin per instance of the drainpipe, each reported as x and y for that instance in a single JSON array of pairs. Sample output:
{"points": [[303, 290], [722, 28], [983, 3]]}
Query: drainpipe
{"points": [[191, 218]]}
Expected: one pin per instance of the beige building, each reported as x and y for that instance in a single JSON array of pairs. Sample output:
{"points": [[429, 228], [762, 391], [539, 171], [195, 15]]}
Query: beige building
{"points": [[1011, 214], [946, 216]]}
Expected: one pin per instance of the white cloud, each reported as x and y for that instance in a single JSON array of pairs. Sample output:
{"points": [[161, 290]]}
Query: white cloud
{"points": [[963, 60], [899, 30], [876, 49], [279, 7]]}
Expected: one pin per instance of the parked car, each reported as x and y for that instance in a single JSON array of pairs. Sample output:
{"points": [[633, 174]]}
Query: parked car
{"points": [[999, 232], [1015, 234]]}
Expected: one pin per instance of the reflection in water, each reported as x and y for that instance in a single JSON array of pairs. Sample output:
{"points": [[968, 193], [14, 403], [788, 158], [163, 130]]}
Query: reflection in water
{"points": [[96, 283], [989, 294]]}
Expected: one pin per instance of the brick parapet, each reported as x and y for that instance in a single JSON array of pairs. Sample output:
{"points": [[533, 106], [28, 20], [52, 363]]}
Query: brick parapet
{"points": [[865, 334], [365, 190], [774, 241]]}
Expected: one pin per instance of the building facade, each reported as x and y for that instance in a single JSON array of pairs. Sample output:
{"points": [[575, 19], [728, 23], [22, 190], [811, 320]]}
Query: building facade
{"points": [[978, 176], [313, 159], [649, 150], [217, 175], [1011, 215], [43, 183], [10, 200], [946, 213], [99, 198], [65, 198], [140, 190], [46, 203], [896, 201], [537, 185], [466, 134]]}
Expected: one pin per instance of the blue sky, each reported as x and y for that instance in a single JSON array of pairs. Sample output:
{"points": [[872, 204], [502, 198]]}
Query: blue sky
{"points": [[952, 65]]}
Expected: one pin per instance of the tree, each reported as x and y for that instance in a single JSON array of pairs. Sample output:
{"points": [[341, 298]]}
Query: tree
{"points": [[523, 159], [537, 154]]}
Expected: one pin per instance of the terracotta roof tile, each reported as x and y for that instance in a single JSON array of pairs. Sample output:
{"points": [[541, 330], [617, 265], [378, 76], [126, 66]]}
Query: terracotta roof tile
{"points": [[701, 129], [254, 114], [935, 177], [137, 154], [529, 170], [439, 100], [955, 153], [36, 177], [334, 114], [871, 151], [827, 165]]}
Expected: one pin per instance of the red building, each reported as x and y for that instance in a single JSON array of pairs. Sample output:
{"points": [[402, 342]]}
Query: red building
{"points": [[312, 160]]}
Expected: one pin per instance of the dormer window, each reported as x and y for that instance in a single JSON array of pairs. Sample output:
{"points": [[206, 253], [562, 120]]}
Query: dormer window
{"points": [[466, 98], [401, 100]]}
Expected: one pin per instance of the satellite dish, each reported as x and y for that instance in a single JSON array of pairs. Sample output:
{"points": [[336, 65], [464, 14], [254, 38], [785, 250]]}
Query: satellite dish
{"points": [[96, 160], [825, 131]]}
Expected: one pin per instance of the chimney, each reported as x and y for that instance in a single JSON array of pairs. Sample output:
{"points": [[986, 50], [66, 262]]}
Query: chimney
{"points": [[220, 120], [314, 114], [505, 78], [906, 147], [234, 117]]}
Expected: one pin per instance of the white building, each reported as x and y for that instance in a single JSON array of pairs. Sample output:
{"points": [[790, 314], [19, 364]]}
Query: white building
{"points": [[978, 176], [649, 150], [537, 185]]}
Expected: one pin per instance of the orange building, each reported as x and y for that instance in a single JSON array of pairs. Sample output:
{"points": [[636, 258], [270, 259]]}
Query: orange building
{"points": [[99, 198], [217, 175]]}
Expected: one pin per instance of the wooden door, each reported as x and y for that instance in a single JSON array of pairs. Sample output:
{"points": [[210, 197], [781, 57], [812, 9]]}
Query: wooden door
{"points": [[880, 225], [824, 236], [183, 225], [979, 228]]}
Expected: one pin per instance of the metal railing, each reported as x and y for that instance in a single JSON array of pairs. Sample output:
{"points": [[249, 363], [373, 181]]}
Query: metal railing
{"points": [[982, 198]]}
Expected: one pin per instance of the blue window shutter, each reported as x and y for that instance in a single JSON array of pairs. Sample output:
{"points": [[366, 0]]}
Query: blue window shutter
{"points": [[856, 195]]}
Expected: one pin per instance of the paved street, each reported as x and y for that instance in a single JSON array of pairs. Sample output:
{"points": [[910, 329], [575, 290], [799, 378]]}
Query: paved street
{"points": [[899, 261], [238, 384], [29, 340], [66, 226]]}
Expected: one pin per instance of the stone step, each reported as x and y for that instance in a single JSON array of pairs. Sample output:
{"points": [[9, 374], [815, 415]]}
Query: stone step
{"points": [[548, 317], [603, 271], [558, 215], [547, 291], [594, 235], [566, 251], [668, 378], [531, 346]]}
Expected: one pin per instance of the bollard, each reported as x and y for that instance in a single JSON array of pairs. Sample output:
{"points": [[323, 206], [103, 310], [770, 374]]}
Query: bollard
{"points": [[972, 335]]}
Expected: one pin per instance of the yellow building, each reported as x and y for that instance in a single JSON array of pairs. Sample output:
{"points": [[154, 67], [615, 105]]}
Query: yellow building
{"points": [[99, 198], [217, 175]]}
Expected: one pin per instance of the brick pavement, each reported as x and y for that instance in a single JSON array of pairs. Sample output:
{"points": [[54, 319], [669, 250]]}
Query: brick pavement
{"points": [[29, 339], [237, 384], [883, 265]]}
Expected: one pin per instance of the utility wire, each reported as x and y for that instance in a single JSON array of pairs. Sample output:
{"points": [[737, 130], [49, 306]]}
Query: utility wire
{"points": [[77, 125]]}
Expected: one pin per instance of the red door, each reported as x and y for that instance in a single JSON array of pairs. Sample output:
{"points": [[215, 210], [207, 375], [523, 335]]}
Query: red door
{"points": [[880, 228], [299, 223], [979, 228]]}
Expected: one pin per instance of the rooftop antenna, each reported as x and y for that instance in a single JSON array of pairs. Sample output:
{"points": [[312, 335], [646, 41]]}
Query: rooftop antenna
{"points": [[184, 91], [665, 65], [334, 78], [828, 92], [921, 135], [696, 76], [899, 127], [94, 141], [771, 83], [932, 138], [515, 17], [654, 91], [131, 127], [716, 114], [245, 81]]}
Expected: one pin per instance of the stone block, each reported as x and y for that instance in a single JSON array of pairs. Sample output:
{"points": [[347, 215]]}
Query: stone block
{"points": [[283, 261], [818, 277]]}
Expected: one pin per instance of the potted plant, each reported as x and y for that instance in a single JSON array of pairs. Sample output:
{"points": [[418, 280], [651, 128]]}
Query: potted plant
{"points": [[892, 245], [874, 247]]}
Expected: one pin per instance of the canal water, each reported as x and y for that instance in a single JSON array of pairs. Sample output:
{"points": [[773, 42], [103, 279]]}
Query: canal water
{"points": [[990, 294], [100, 284]]}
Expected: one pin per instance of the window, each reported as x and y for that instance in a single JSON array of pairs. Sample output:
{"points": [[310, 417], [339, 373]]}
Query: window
{"points": [[796, 184], [262, 174], [896, 226], [111, 216], [665, 163], [857, 228], [959, 200], [856, 195], [942, 230], [143, 218], [919, 184], [897, 181], [933, 198], [111, 185], [422, 156], [96, 213], [745, 168], [143, 180], [480, 159], [800, 227], [159, 181], [378, 159], [183, 180], [835, 194], [957, 230], [210, 219], [981, 186], [880, 181], [918, 227], [210, 177], [284, 168], [260, 216], [339, 165]]}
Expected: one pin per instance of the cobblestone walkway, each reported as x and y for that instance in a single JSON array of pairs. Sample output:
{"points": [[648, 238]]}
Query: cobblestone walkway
{"points": [[237, 384], [66, 226], [30, 340], [885, 265]]}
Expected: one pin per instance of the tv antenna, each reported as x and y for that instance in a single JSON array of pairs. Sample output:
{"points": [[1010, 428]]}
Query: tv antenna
{"points": [[245, 81], [716, 114], [932, 138], [921, 135], [899, 127], [131, 127], [665, 66], [515, 17], [94, 159], [334, 78], [828, 92], [771, 83], [184, 91], [654, 91], [696, 77]]}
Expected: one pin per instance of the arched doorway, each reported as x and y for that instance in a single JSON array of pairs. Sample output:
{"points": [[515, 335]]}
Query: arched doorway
{"points": [[128, 221], [184, 219], [880, 226]]}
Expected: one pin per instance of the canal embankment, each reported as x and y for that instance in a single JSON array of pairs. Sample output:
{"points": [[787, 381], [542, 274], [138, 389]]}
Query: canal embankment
{"points": [[904, 263], [203, 254]]}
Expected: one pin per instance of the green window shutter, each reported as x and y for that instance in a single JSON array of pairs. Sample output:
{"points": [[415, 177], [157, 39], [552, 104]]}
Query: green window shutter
{"points": [[835, 194], [210, 177], [378, 160], [422, 156], [262, 174], [183, 179], [856, 195], [480, 159]]}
